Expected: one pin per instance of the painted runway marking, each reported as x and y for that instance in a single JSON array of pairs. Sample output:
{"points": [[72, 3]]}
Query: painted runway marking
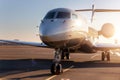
{"points": [[95, 56], [63, 71], [51, 77]]}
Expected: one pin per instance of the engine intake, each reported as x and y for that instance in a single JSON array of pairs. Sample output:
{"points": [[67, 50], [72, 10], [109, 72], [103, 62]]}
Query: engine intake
{"points": [[107, 30]]}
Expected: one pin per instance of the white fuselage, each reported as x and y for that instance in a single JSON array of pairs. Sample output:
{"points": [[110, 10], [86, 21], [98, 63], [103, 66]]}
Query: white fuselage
{"points": [[63, 28]]}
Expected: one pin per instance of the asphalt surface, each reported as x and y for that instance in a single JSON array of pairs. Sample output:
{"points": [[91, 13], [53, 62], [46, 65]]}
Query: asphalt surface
{"points": [[33, 63]]}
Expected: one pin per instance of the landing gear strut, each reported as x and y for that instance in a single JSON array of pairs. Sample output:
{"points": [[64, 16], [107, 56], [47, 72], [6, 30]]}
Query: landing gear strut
{"points": [[105, 54], [56, 67], [65, 53]]}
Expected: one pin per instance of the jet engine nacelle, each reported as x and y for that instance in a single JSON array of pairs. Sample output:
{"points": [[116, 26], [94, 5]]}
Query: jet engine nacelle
{"points": [[107, 30]]}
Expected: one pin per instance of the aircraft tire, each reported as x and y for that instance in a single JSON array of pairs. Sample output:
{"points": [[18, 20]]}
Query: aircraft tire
{"points": [[108, 56], [56, 69], [103, 56]]}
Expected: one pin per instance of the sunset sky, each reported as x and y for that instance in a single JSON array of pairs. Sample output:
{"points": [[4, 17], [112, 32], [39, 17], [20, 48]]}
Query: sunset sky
{"points": [[19, 18]]}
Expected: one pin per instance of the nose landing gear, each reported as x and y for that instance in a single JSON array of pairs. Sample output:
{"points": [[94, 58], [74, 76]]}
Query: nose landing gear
{"points": [[56, 67]]}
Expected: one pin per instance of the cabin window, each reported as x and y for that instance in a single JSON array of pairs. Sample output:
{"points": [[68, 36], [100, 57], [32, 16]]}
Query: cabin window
{"points": [[74, 16], [63, 15], [50, 15]]}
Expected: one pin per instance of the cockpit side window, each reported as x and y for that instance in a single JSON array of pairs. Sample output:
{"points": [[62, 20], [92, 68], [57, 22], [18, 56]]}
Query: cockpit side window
{"points": [[50, 15], [63, 15], [74, 16]]}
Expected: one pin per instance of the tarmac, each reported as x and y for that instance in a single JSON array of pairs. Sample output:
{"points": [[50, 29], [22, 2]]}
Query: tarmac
{"points": [[20, 62]]}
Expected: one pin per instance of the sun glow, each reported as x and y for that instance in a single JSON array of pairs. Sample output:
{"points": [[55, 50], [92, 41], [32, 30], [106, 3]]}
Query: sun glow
{"points": [[117, 34], [113, 18], [78, 23], [115, 39]]}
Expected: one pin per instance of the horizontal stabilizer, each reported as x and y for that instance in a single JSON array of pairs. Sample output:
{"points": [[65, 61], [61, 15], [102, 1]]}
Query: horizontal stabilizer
{"points": [[100, 10]]}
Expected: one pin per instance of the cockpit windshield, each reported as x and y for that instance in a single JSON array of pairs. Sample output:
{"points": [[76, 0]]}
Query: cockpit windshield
{"points": [[50, 15], [60, 15], [63, 15]]}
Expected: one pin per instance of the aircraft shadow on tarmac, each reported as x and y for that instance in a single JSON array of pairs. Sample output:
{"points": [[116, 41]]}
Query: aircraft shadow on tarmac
{"points": [[9, 67]]}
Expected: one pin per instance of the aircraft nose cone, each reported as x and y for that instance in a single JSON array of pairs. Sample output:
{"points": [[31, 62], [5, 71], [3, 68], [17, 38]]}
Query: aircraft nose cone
{"points": [[46, 32]]}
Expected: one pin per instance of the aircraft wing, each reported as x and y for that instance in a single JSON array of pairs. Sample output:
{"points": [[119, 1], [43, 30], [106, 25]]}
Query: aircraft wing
{"points": [[106, 46], [107, 10], [37, 44]]}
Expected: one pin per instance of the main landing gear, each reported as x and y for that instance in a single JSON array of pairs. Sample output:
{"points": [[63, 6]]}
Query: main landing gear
{"points": [[105, 54], [56, 67]]}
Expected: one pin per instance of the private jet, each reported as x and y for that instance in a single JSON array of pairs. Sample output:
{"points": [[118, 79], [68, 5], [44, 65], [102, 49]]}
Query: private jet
{"points": [[67, 31]]}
